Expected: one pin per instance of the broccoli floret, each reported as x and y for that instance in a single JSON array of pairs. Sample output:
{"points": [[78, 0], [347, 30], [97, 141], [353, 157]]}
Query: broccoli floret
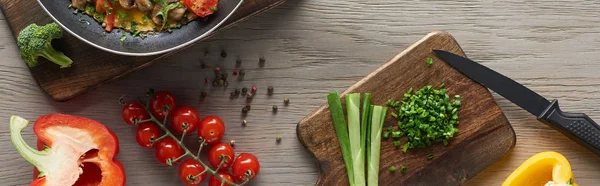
{"points": [[35, 41]]}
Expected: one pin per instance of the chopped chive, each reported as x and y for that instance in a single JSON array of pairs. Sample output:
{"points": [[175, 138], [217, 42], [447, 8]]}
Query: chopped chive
{"points": [[429, 156], [392, 169], [403, 169]]}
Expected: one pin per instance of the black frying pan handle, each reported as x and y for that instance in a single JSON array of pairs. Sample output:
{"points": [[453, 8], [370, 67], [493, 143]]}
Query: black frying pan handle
{"points": [[577, 126]]}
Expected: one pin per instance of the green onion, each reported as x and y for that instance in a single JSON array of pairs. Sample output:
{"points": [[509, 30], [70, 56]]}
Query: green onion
{"points": [[429, 61], [341, 131], [358, 158], [392, 169], [429, 156], [377, 120], [426, 117], [403, 169], [364, 128]]}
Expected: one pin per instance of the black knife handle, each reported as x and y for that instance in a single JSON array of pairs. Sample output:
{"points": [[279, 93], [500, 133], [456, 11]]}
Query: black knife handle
{"points": [[577, 126]]}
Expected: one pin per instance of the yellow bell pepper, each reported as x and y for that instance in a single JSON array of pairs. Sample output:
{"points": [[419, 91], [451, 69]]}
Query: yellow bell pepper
{"points": [[543, 169]]}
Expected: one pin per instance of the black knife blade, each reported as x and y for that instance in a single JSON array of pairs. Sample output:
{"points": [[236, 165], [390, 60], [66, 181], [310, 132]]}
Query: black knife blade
{"points": [[577, 126]]}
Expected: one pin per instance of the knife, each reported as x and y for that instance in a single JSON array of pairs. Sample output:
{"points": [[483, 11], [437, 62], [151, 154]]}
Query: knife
{"points": [[576, 126]]}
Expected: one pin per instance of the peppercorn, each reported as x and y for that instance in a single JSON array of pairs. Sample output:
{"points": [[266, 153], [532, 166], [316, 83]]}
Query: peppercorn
{"points": [[274, 108], [223, 54], [224, 76], [244, 122], [232, 143], [286, 101], [261, 59], [232, 94], [278, 138], [242, 72], [245, 110], [237, 91], [254, 89], [244, 90], [203, 94], [235, 73], [249, 95], [248, 106], [238, 62], [270, 89]]}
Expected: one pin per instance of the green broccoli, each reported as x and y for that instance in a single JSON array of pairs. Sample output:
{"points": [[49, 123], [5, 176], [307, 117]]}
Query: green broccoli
{"points": [[35, 41]]}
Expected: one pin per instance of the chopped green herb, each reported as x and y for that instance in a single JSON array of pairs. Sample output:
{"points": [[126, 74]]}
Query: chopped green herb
{"points": [[403, 169], [396, 134], [133, 26], [144, 19], [123, 37], [386, 134], [392, 169], [105, 4], [122, 15], [429, 60], [214, 9], [429, 156], [426, 117], [70, 5], [397, 143]]}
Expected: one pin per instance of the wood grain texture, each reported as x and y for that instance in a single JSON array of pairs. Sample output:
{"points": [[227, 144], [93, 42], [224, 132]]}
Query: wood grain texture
{"points": [[484, 132], [313, 47], [94, 67]]}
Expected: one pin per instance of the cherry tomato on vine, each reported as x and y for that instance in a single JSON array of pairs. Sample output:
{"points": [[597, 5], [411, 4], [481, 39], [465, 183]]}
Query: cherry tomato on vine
{"points": [[160, 102], [189, 169], [185, 117], [168, 149], [134, 111], [244, 164], [146, 133], [201, 8], [218, 150], [214, 181], [211, 129]]}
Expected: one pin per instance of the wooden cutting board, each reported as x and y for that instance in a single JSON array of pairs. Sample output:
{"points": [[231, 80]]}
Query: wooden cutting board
{"points": [[93, 67], [484, 136]]}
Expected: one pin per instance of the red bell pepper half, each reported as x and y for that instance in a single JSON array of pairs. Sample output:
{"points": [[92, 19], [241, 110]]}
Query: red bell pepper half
{"points": [[76, 151]]}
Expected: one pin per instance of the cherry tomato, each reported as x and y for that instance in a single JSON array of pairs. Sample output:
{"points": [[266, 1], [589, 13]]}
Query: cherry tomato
{"points": [[188, 170], [134, 111], [214, 181], [211, 129], [244, 164], [168, 149], [160, 102], [218, 150], [201, 8], [104, 6], [146, 133], [185, 116]]}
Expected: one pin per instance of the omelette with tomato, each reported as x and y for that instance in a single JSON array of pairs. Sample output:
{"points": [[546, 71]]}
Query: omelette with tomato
{"points": [[145, 16]]}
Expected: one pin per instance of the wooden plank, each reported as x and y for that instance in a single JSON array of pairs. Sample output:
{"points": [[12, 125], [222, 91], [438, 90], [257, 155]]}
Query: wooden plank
{"points": [[484, 132], [94, 67], [313, 47]]}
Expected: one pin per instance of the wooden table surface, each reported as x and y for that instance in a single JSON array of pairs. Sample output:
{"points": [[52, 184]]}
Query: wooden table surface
{"points": [[313, 47]]}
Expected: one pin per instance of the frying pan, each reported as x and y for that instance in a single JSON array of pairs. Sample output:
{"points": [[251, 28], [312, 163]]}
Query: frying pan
{"points": [[92, 32]]}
